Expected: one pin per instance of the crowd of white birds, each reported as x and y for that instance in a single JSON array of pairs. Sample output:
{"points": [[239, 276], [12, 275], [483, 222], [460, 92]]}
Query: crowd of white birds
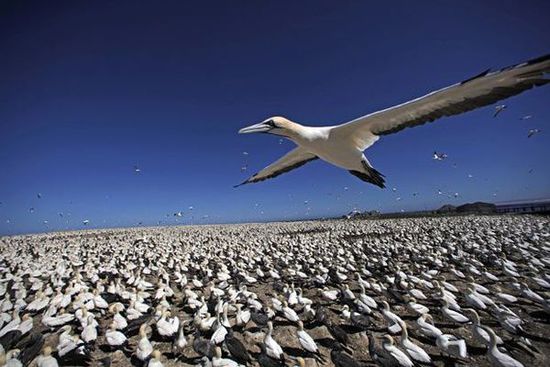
{"points": [[441, 291]]}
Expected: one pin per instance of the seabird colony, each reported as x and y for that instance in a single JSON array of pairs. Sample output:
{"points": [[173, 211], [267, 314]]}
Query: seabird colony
{"points": [[396, 292], [343, 145]]}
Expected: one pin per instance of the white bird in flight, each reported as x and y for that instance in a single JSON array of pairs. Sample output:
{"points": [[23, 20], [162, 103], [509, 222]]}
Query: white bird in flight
{"points": [[499, 109], [440, 156], [533, 132], [343, 145]]}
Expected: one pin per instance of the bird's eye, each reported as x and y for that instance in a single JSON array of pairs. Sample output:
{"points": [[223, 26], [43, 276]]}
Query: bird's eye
{"points": [[271, 123]]}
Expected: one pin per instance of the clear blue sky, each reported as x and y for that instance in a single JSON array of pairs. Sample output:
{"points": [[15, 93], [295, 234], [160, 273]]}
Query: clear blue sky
{"points": [[89, 89]]}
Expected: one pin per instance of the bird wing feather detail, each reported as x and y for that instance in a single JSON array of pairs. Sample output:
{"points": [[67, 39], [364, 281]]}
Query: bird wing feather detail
{"points": [[293, 159], [481, 90]]}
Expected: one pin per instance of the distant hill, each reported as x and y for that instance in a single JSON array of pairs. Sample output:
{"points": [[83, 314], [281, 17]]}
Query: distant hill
{"points": [[478, 207], [447, 209]]}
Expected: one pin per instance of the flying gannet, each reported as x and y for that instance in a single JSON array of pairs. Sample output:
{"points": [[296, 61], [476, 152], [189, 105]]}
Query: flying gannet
{"points": [[499, 109], [343, 145]]}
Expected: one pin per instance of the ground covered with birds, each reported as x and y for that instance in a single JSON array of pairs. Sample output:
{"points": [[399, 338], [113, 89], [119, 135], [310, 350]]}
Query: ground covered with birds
{"points": [[472, 290]]}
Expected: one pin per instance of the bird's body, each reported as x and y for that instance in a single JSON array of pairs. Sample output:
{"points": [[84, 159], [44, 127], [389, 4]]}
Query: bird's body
{"points": [[343, 145], [114, 337], [393, 355], [496, 357], [306, 341], [272, 348], [144, 347]]}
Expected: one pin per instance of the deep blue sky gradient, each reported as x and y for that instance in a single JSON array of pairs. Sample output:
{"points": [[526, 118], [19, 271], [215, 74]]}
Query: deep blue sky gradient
{"points": [[88, 89]]}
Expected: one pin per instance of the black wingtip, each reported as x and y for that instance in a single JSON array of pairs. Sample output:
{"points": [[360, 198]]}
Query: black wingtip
{"points": [[535, 60], [373, 176], [482, 74], [538, 59]]}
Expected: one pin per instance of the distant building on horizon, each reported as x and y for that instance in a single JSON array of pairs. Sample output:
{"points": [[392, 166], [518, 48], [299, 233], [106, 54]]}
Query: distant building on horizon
{"points": [[524, 206]]}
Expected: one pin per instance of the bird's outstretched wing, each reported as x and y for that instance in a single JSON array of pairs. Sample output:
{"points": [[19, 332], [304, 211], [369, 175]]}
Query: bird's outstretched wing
{"points": [[480, 90], [293, 159]]}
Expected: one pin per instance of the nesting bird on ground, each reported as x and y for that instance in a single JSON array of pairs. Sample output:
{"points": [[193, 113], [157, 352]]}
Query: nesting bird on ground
{"points": [[46, 359], [414, 351], [236, 348], [180, 342], [144, 347], [114, 337], [393, 320], [497, 357], [272, 348], [306, 341], [218, 361], [426, 326], [452, 315], [391, 355], [417, 308], [155, 361], [451, 345]]}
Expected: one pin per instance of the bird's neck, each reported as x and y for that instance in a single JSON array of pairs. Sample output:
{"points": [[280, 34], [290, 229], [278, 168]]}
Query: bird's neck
{"points": [[301, 134]]}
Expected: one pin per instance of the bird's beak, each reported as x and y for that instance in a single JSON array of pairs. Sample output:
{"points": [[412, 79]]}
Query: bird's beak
{"points": [[257, 128]]}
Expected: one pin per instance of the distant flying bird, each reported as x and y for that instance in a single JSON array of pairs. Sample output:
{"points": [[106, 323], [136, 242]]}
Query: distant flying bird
{"points": [[244, 168], [526, 117], [343, 145], [137, 169], [178, 214], [499, 109], [533, 132], [31, 210], [85, 222], [39, 195], [439, 156]]}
